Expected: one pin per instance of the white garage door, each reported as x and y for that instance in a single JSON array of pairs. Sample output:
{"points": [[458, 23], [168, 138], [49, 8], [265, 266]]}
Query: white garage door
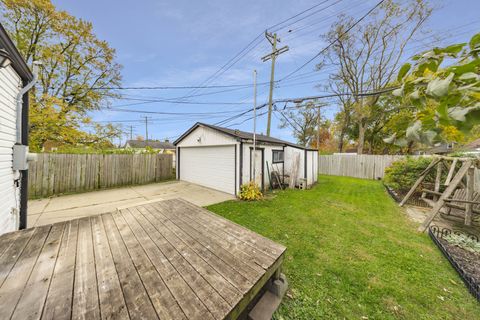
{"points": [[212, 167]]}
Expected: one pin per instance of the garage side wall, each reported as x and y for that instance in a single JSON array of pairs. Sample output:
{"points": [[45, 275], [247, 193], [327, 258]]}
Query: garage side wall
{"points": [[290, 153], [312, 167], [10, 84], [267, 161]]}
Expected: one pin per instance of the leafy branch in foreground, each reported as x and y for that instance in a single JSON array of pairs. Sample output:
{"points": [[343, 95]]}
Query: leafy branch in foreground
{"points": [[443, 87]]}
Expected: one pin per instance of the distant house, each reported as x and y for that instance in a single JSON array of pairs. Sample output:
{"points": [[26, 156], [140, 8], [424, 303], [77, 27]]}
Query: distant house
{"points": [[440, 148], [472, 147], [224, 159], [161, 146], [51, 146]]}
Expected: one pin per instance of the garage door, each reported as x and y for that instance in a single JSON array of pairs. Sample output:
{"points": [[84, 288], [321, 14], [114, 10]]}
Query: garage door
{"points": [[212, 167]]}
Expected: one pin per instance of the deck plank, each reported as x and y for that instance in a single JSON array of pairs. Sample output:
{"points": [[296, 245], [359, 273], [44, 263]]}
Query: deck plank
{"points": [[245, 249], [85, 294], [112, 303], [136, 297], [164, 260], [160, 296], [204, 290], [246, 260], [31, 302], [13, 252], [191, 305], [266, 245], [222, 285], [59, 300], [6, 240], [12, 287], [222, 261]]}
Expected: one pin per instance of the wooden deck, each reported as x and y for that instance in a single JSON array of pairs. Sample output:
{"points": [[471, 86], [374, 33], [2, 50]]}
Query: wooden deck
{"points": [[166, 260]]}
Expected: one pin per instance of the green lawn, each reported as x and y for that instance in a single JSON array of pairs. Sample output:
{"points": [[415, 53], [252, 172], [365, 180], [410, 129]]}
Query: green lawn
{"points": [[352, 254]]}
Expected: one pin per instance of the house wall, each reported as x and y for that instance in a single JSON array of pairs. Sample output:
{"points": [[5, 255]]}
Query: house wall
{"points": [[268, 156], [10, 84]]}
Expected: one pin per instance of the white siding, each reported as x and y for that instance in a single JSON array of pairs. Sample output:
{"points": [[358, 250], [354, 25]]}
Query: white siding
{"points": [[312, 167], [268, 157], [9, 194], [203, 136], [290, 153], [210, 166]]}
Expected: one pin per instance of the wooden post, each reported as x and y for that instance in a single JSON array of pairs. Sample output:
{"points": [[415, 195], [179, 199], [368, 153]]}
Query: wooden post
{"points": [[447, 193], [450, 173], [437, 180], [470, 186], [419, 180]]}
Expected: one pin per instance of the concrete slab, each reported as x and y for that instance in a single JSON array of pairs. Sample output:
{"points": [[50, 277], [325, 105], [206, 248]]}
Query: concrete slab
{"points": [[90, 198], [46, 211], [37, 206]]}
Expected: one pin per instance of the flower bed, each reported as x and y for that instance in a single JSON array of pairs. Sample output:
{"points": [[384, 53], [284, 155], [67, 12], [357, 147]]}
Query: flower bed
{"points": [[465, 262]]}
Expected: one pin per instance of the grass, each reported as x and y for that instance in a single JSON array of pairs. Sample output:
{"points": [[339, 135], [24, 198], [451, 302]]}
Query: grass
{"points": [[353, 254]]}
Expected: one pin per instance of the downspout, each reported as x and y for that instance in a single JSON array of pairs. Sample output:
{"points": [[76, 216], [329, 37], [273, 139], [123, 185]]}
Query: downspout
{"points": [[21, 156], [19, 100]]}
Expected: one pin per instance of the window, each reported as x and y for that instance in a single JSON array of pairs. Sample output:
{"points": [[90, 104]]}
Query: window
{"points": [[277, 156]]}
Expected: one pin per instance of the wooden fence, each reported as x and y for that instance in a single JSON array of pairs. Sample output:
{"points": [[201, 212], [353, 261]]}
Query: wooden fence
{"points": [[54, 174], [358, 166]]}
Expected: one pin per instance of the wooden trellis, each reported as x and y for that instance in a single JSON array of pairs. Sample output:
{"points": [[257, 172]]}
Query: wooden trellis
{"points": [[459, 183]]}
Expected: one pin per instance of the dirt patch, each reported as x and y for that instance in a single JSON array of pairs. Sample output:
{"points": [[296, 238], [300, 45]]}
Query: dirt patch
{"points": [[468, 261]]}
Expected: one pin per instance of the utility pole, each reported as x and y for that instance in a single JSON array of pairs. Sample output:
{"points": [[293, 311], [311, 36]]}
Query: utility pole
{"points": [[254, 120], [131, 132], [146, 131], [272, 38]]}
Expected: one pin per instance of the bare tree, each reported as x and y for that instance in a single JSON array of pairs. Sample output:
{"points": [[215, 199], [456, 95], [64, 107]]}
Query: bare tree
{"points": [[368, 55], [303, 120]]}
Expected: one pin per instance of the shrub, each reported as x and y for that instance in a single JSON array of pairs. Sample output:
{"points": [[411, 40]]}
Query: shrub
{"points": [[250, 191], [402, 174]]}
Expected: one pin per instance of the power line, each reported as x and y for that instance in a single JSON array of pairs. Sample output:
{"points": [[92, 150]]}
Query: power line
{"points": [[173, 113], [184, 102], [333, 42], [294, 16]]}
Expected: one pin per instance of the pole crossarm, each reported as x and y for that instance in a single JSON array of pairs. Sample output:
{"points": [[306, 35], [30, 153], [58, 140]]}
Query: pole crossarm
{"points": [[276, 53]]}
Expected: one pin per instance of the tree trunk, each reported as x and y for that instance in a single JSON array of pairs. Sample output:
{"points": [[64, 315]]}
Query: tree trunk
{"points": [[361, 136], [343, 132], [340, 142]]}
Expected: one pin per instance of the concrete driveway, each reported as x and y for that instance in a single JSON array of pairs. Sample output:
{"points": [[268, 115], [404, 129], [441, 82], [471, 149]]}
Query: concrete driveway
{"points": [[55, 209]]}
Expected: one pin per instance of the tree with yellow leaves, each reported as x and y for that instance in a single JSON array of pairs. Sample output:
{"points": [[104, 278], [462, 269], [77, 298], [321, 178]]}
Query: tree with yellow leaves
{"points": [[78, 68]]}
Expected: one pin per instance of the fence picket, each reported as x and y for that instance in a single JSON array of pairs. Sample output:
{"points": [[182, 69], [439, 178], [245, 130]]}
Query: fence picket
{"points": [[54, 174], [357, 166]]}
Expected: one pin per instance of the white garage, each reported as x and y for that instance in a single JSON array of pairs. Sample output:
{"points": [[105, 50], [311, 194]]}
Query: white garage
{"points": [[223, 159], [212, 167]]}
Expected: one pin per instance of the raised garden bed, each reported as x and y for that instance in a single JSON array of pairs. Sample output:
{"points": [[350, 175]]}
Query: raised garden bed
{"points": [[465, 262]]}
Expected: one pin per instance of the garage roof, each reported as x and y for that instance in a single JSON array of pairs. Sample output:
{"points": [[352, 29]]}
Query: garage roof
{"points": [[241, 135]]}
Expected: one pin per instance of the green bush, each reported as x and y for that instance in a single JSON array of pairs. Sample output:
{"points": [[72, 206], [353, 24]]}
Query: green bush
{"points": [[250, 192], [402, 174]]}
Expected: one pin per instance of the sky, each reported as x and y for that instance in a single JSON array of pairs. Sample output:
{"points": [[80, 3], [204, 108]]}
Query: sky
{"points": [[183, 43]]}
